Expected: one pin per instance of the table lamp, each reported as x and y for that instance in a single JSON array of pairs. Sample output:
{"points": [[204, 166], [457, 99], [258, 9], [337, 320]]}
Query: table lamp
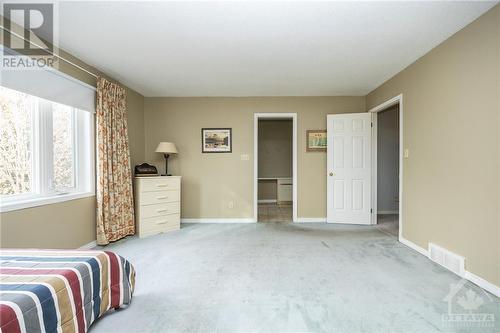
{"points": [[166, 148]]}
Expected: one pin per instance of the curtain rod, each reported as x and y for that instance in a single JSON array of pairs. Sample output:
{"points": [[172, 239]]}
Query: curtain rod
{"points": [[52, 53]]}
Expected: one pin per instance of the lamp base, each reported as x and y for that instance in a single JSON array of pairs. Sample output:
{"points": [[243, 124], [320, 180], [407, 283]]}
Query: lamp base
{"points": [[166, 164]]}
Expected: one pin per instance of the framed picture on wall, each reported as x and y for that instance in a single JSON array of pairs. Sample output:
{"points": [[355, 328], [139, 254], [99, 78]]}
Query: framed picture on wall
{"points": [[316, 140], [216, 140]]}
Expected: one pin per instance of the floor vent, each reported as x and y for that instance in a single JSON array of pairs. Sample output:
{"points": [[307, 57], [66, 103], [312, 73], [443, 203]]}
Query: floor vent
{"points": [[445, 258]]}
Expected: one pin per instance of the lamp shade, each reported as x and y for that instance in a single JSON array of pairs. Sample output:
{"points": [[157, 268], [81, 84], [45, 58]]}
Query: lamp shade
{"points": [[166, 148]]}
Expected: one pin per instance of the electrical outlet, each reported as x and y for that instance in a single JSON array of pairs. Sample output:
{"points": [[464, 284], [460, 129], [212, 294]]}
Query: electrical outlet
{"points": [[230, 205]]}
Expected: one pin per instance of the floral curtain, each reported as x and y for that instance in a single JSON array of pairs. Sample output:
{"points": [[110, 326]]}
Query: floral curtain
{"points": [[115, 205]]}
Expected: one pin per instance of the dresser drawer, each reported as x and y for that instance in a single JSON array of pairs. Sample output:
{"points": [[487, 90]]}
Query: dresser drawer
{"points": [[155, 225], [160, 209], [159, 184], [150, 198]]}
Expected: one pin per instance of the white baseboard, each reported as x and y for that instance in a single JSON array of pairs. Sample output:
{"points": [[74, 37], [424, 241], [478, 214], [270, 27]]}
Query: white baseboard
{"points": [[479, 281], [88, 246], [219, 220], [486, 285], [414, 246], [310, 219], [387, 212], [267, 201]]}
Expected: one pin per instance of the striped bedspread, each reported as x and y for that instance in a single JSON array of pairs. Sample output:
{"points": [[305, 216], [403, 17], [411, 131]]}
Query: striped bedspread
{"points": [[60, 291]]}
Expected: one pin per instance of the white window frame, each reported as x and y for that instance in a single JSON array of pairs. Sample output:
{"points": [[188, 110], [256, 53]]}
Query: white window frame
{"points": [[42, 161]]}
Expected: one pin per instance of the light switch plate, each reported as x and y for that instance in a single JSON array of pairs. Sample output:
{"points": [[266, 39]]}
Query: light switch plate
{"points": [[407, 153], [245, 157]]}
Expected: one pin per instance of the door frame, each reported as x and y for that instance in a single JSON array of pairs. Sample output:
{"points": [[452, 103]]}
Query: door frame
{"points": [[379, 108], [256, 117]]}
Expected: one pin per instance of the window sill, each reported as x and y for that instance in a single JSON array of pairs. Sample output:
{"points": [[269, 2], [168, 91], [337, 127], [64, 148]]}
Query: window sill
{"points": [[35, 202]]}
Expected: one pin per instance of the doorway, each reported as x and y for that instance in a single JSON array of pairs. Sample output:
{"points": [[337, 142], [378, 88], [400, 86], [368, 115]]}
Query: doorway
{"points": [[387, 140], [388, 154], [275, 167]]}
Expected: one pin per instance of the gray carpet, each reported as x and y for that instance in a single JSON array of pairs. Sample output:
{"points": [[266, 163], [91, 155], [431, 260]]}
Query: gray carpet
{"points": [[389, 224], [275, 277]]}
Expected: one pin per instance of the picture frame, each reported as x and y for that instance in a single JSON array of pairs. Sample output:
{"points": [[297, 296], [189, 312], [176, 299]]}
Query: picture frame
{"points": [[316, 140], [216, 140]]}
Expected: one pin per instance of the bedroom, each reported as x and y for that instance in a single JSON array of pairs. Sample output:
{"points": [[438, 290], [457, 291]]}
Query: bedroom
{"points": [[181, 86]]}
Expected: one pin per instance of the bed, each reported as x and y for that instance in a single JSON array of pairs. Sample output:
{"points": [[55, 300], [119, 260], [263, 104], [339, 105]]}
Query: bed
{"points": [[59, 290]]}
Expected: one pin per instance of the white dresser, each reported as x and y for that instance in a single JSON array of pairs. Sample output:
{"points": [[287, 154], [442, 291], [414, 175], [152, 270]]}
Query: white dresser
{"points": [[157, 204]]}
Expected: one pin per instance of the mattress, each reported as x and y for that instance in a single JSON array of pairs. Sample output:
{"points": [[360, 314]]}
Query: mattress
{"points": [[59, 290]]}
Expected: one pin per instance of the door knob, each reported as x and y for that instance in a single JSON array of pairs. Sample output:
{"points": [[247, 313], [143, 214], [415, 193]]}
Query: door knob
{"points": [[331, 174]]}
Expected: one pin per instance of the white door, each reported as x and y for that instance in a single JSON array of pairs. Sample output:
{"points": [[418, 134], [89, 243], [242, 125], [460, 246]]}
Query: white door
{"points": [[349, 168]]}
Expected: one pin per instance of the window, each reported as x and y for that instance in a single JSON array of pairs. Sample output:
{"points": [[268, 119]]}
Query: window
{"points": [[46, 151]]}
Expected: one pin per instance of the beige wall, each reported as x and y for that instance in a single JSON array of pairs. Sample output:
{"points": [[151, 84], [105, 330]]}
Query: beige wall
{"points": [[275, 148], [451, 127], [222, 178], [135, 121], [69, 224]]}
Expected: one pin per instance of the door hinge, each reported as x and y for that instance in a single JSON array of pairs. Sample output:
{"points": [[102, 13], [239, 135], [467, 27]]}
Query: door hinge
{"points": [[372, 123]]}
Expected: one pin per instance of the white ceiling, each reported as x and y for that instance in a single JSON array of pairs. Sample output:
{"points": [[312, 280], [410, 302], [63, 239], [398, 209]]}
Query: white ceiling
{"points": [[257, 48]]}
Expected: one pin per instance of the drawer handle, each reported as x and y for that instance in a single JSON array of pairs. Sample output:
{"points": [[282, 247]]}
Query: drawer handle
{"points": [[162, 222], [161, 210], [160, 198], [162, 185]]}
